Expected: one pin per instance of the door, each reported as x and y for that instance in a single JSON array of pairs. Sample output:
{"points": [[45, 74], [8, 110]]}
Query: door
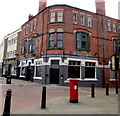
{"points": [[54, 76]]}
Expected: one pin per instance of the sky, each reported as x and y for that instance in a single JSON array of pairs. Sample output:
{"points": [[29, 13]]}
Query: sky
{"points": [[14, 13]]}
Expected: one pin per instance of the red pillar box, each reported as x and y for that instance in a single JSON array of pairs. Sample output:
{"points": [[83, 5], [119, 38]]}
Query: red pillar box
{"points": [[73, 90]]}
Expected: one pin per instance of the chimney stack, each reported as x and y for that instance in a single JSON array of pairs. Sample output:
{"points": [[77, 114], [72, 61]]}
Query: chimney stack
{"points": [[100, 7], [42, 4]]}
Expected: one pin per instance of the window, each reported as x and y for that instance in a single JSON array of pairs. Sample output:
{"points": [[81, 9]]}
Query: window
{"points": [[90, 70], [89, 21], [59, 40], [74, 69], [112, 75], [38, 69], [51, 40], [13, 70], [24, 47], [82, 41], [75, 18], [31, 42], [109, 26], [82, 18], [117, 46], [35, 24], [26, 29], [114, 28], [119, 29], [52, 16], [22, 72], [60, 15], [31, 26]]}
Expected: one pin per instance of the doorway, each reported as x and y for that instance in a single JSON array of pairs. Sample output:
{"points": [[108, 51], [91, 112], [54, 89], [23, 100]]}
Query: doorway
{"points": [[54, 76]]}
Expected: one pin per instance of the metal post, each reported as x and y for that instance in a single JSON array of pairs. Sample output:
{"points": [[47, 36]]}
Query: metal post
{"points": [[43, 102], [107, 88], [92, 90], [7, 103], [116, 82]]}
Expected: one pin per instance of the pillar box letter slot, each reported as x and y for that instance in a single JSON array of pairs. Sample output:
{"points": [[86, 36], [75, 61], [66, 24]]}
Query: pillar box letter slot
{"points": [[73, 90]]}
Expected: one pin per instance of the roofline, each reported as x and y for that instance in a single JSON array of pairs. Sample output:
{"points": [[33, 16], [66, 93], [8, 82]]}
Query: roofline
{"points": [[18, 30], [67, 6]]}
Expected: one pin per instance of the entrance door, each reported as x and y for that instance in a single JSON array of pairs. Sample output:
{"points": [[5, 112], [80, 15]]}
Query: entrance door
{"points": [[54, 76]]}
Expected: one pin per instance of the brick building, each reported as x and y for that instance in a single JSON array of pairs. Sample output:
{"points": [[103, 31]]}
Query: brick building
{"points": [[63, 42]]}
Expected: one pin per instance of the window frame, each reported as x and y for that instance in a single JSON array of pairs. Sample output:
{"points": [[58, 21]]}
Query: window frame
{"points": [[82, 19], [80, 40], [109, 26], [59, 40], [75, 15], [49, 44], [116, 46], [24, 47], [60, 16], [89, 66], [89, 21], [52, 16], [114, 28]]}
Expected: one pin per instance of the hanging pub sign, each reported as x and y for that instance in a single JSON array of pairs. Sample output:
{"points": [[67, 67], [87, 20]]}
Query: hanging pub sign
{"points": [[114, 63]]}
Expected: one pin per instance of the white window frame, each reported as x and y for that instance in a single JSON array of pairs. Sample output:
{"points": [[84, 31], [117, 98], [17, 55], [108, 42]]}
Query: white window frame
{"points": [[75, 65], [60, 15], [40, 61], [52, 16], [35, 24], [82, 19], [22, 65], [114, 28], [75, 15], [109, 25], [89, 21], [31, 26], [91, 79]]}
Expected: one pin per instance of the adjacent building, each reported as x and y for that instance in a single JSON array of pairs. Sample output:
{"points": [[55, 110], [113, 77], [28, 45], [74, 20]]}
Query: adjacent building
{"points": [[63, 42], [1, 56], [10, 48]]}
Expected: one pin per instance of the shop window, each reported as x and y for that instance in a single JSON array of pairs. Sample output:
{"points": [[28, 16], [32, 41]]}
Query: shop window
{"points": [[112, 75], [82, 41], [90, 70], [13, 70], [117, 46], [60, 40], [22, 74], [38, 69], [74, 69]]}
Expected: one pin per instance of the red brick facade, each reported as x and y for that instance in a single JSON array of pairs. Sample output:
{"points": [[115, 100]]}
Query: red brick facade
{"points": [[100, 43]]}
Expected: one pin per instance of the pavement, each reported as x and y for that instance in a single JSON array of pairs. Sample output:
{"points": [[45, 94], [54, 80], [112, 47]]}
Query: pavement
{"points": [[26, 99]]}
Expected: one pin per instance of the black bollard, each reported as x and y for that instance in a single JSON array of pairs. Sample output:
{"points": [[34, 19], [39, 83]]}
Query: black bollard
{"points": [[92, 90], [7, 103], [107, 89], [43, 102]]}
